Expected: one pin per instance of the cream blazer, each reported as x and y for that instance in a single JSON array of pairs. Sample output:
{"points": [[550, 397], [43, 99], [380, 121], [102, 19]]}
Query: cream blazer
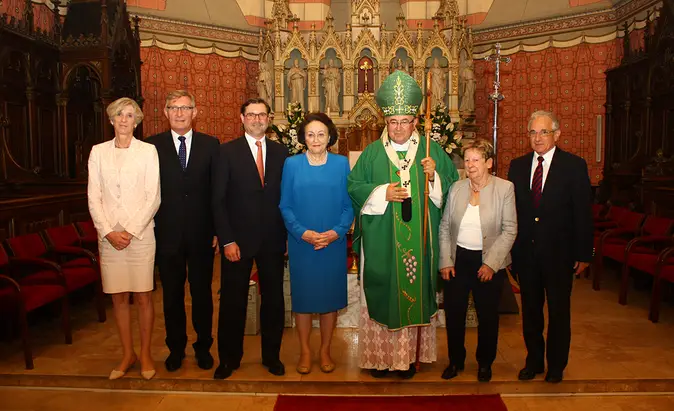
{"points": [[129, 195], [498, 219]]}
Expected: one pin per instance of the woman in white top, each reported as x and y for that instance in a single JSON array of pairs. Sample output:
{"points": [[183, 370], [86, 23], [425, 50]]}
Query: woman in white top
{"points": [[477, 231], [124, 196]]}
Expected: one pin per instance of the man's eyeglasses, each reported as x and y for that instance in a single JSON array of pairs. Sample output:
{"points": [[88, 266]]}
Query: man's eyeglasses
{"points": [[402, 123], [542, 133], [260, 116], [175, 109]]}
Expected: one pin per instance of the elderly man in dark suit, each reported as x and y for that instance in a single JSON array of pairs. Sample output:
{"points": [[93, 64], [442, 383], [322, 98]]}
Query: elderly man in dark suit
{"points": [[554, 242], [184, 228], [250, 228]]}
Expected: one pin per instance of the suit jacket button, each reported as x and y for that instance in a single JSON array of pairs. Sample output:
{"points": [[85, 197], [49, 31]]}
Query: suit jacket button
{"points": [[536, 219]]}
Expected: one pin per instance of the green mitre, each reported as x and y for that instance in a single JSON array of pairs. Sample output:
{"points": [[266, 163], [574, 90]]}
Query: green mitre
{"points": [[399, 95]]}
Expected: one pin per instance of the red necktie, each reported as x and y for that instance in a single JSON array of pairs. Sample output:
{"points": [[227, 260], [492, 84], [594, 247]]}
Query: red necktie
{"points": [[260, 162], [537, 183]]}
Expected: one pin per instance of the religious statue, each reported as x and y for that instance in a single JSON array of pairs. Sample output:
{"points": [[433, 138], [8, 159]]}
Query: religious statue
{"points": [[438, 83], [331, 86], [467, 83], [264, 83], [297, 79]]}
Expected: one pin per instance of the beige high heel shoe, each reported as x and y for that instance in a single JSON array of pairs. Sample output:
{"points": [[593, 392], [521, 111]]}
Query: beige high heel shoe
{"points": [[117, 374], [148, 374]]}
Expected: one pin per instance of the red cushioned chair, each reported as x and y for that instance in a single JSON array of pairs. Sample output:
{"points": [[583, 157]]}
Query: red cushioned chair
{"points": [[629, 227], [87, 231], [661, 267], [27, 284], [656, 235], [610, 220], [66, 236], [598, 212], [664, 271], [77, 276]]}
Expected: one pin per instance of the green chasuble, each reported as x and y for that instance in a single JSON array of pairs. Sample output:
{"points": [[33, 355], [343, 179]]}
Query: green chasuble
{"points": [[399, 281]]}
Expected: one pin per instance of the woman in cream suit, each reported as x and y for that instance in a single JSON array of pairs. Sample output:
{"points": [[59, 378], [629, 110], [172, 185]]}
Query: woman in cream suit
{"points": [[123, 196], [478, 228]]}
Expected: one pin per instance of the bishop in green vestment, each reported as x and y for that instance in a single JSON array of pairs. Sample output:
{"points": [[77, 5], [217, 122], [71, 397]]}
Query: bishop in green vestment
{"points": [[398, 277]]}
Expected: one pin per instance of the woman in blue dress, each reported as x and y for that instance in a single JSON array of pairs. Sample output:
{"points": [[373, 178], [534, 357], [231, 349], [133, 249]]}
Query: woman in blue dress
{"points": [[317, 212]]}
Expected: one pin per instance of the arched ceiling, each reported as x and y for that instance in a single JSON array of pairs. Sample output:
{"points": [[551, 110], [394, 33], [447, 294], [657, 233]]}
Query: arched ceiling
{"points": [[485, 13]]}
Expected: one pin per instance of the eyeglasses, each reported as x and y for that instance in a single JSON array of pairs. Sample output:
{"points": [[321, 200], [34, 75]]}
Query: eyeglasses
{"points": [[402, 123], [180, 108], [260, 116], [542, 133]]}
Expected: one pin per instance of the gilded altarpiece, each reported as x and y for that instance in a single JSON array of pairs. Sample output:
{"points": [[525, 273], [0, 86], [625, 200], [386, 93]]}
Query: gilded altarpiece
{"points": [[363, 54]]}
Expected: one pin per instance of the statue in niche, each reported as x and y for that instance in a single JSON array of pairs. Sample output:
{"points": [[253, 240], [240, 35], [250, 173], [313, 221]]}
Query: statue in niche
{"points": [[331, 86], [399, 64], [264, 83], [365, 17], [438, 83], [467, 88], [297, 80]]}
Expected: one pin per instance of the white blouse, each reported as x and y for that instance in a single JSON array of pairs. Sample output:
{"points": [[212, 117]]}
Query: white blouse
{"points": [[470, 230]]}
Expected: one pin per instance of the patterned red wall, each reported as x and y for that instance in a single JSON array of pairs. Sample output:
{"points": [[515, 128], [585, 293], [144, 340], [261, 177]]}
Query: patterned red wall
{"points": [[43, 16], [568, 81], [220, 84]]}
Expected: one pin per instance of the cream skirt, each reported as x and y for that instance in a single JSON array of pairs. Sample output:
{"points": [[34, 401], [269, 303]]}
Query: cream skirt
{"points": [[130, 269]]}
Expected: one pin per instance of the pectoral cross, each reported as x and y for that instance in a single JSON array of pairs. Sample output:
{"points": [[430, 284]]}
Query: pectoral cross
{"points": [[496, 96], [365, 67]]}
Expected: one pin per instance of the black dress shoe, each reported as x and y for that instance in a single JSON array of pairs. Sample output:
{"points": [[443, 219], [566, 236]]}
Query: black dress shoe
{"points": [[224, 371], [275, 367], [204, 360], [484, 374], [554, 377], [529, 373], [174, 361], [379, 373], [408, 373], [451, 371]]}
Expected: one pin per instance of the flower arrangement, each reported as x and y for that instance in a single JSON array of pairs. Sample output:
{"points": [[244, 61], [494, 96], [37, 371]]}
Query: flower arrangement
{"points": [[443, 130], [287, 135]]}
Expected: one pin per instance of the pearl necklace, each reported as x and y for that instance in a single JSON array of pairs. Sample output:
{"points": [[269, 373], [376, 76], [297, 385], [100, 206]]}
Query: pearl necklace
{"points": [[319, 162]]}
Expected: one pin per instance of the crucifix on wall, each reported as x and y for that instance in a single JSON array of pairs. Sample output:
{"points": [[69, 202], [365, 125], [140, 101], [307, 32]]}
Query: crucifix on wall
{"points": [[365, 76]]}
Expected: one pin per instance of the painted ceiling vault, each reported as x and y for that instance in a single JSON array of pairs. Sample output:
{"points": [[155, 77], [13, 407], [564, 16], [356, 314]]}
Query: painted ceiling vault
{"points": [[250, 14]]}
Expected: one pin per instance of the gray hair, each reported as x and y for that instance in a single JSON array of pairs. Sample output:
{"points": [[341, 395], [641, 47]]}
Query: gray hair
{"points": [[543, 113]]}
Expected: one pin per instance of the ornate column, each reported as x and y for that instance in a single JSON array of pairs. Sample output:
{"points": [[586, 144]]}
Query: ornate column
{"points": [[349, 89], [314, 103]]}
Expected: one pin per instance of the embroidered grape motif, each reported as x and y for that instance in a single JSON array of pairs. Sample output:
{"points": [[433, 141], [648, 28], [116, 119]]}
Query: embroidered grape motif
{"points": [[411, 268]]}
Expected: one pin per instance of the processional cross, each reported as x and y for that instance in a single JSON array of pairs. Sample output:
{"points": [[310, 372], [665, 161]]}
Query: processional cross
{"points": [[496, 96], [365, 67]]}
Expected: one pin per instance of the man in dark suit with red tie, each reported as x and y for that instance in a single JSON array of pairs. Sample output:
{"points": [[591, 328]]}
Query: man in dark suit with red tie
{"points": [[554, 242], [184, 228], [250, 228]]}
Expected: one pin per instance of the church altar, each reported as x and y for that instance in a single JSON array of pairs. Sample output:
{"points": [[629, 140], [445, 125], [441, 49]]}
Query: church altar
{"points": [[339, 72]]}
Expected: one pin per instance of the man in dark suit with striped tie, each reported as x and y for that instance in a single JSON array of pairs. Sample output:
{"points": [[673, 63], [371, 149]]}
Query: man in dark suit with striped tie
{"points": [[184, 228], [554, 242]]}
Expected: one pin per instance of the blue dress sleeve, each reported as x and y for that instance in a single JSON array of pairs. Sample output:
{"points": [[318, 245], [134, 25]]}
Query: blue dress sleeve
{"points": [[346, 218], [287, 204]]}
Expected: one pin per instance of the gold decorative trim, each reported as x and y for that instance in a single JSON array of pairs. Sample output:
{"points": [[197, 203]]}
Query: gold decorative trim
{"points": [[581, 21], [156, 25], [619, 32], [155, 42]]}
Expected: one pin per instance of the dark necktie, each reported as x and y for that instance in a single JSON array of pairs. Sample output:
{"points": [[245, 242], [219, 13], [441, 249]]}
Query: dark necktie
{"points": [[537, 183], [182, 153]]}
